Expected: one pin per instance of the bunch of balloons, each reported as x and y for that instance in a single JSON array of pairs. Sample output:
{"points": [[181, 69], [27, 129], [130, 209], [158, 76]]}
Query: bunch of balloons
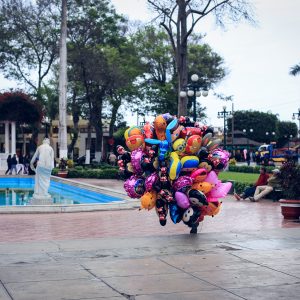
{"points": [[172, 165]]}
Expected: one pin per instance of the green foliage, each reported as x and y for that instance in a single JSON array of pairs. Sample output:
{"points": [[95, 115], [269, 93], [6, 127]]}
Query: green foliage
{"points": [[260, 122], [109, 173], [239, 187], [248, 169], [290, 180], [285, 130]]}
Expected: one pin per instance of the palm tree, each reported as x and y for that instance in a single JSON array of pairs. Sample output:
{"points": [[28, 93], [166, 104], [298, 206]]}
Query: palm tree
{"points": [[295, 70]]}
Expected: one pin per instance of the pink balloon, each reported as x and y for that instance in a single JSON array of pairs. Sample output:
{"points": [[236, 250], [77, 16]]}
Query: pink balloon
{"points": [[212, 177], [221, 190], [182, 200]]}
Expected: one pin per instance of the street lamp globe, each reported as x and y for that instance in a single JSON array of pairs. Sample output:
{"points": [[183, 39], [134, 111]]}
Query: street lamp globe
{"points": [[224, 107], [190, 93], [198, 93], [244, 130], [251, 130], [194, 77], [267, 133], [205, 93], [182, 94]]}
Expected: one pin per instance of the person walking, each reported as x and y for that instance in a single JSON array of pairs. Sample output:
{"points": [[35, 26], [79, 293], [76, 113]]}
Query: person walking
{"points": [[8, 160], [14, 163], [249, 192], [263, 190], [248, 158]]}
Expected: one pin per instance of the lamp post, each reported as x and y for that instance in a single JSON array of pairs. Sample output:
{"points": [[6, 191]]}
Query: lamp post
{"points": [[46, 122], [245, 132], [224, 114], [297, 115], [269, 134], [194, 90]]}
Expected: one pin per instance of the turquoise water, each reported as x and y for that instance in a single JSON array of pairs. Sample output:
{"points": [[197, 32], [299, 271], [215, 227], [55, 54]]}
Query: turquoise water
{"points": [[18, 191]]}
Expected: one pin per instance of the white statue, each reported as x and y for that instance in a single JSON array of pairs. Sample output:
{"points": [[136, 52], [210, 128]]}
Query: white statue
{"points": [[44, 155]]}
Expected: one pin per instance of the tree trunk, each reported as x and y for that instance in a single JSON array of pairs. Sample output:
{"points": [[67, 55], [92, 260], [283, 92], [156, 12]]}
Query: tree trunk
{"points": [[88, 145], [113, 119], [98, 147], [182, 56], [63, 150]]}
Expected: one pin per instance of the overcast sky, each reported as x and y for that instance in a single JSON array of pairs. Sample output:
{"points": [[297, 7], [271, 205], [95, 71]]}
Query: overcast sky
{"points": [[258, 58]]}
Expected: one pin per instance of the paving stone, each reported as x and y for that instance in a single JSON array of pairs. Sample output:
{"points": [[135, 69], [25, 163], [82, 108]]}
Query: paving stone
{"points": [[38, 272], [3, 293], [61, 289], [207, 262], [129, 267], [246, 277], [274, 292], [211, 295], [19, 259], [164, 283]]}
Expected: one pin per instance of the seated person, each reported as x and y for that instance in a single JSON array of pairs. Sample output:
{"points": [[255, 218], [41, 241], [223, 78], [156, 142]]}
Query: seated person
{"points": [[263, 190], [249, 192]]}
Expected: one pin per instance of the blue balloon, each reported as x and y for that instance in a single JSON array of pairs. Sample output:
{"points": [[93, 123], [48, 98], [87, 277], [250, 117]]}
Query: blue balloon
{"points": [[176, 212]]}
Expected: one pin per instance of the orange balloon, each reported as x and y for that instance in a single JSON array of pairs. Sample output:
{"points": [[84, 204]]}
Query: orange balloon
{"points": [[204, 187], [160, 126], [148, 200]]}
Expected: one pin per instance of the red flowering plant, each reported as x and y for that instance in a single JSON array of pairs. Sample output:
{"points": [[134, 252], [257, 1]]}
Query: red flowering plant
{"points": [[20, 107]]}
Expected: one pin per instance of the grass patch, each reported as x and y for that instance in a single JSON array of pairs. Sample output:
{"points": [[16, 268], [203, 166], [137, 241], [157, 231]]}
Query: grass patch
{"points": [[237, 176]]}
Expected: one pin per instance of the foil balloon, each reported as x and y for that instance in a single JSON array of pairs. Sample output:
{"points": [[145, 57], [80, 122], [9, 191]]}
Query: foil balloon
{"points": [[220, 190], [183, 182], [134, 186], [136, 158], [197, 198], [135, 141], [199, 175], [160, 126], [148, 200], [182, 200], [176, 212], [193, 144], [191, 216], [151, 181]]}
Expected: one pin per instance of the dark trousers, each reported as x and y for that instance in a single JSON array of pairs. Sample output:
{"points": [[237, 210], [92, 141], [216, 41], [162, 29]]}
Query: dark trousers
{"points": [[249, 192]]}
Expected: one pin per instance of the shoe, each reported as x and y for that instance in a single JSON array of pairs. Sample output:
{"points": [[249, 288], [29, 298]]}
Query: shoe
{"points": [[237, 197], [193, 230], [252, 199]]}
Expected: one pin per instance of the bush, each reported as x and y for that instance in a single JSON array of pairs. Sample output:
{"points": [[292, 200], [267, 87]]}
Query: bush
{"points": [[239, 187], [248, 169], [93, 173]]}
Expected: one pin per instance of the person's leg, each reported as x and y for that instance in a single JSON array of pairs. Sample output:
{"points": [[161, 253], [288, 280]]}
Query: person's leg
{"points": [[249, 192], [266, 190]]}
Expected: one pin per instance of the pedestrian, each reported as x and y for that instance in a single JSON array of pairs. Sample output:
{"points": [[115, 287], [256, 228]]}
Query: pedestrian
{"points": [[20, 165], [8, 160], [14, 163], [248, 158], [263, 190], [112, 158], [26, 164], [249, 192]]}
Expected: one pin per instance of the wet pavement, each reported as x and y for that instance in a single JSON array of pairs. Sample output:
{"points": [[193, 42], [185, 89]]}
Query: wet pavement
{"points": [[246, 252]]}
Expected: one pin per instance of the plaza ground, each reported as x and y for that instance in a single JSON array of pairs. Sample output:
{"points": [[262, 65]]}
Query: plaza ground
{"points": [[248, 251]]}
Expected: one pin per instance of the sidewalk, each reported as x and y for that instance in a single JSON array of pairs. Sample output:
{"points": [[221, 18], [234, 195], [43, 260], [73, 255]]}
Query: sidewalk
{"points": [[246, 252]]}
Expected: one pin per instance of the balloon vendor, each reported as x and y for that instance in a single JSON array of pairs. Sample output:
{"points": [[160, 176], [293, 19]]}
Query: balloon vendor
{"points": [[172, 166]]}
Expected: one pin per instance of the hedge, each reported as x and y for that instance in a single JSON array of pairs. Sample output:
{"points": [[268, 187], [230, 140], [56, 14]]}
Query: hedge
{"points": [[248, 169], [77, 172]]}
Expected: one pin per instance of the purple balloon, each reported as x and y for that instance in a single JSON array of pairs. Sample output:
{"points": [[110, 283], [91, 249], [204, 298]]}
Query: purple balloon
{"points": [[134, 186], [182, 182], [150, 181], [182, 200], [136, 157]]}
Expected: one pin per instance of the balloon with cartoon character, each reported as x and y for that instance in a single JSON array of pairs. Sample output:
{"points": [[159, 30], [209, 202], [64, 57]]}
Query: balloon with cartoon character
{"points": [[173, 166]]}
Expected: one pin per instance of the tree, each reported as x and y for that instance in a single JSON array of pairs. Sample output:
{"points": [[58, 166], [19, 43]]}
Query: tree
{"points": [[295, 70], [62, 87], [29, 40], [179, 19], [102, 61], [158, 89], [286, 129], [260, 122]]}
